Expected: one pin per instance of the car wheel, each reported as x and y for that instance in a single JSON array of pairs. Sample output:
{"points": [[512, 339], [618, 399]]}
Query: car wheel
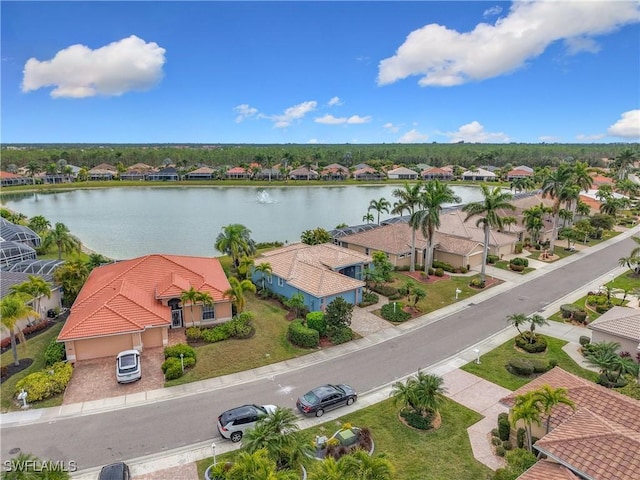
{"points": [[350, 400], [236, 437], [319, 412]]}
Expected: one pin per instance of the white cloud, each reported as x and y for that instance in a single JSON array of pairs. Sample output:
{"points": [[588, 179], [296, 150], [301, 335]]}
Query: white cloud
{"points": [[589, 138], [352, 120], [391, 127], [244, 111], [313, 140], [293, 113], [78, 71], [627, 127], [474, 132], [335, 101], [444, 57], [413, 136], [576, 45], [490, 12]]}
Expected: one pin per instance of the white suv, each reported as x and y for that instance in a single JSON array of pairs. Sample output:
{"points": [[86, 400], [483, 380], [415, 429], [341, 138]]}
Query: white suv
{"points": [[233, 423]]}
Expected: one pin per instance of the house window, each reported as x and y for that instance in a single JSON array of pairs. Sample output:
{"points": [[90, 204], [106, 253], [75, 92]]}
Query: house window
{"points": [[208, 312], [269, 279], [280, 282], [367, 251]]}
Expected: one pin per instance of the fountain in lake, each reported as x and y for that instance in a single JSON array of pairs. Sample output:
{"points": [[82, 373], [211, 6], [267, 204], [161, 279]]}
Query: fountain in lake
{"points": [[265, 197]]}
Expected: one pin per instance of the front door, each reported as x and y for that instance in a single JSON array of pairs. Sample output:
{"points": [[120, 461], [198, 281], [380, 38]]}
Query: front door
{"points": [[176, 318]]}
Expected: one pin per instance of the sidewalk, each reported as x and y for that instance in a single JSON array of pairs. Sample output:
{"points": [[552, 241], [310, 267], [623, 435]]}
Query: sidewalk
{"points": [[477, 394]]}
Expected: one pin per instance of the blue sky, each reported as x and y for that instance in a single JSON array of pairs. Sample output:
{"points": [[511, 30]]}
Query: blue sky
{"points": [[329, 72]]}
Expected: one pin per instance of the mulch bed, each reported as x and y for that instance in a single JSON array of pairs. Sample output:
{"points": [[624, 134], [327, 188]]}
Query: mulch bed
{"points": [[9, 370], [427, 280]]}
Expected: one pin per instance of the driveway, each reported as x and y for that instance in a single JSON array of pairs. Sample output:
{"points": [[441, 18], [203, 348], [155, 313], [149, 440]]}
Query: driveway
{"points": [[96, 379]]}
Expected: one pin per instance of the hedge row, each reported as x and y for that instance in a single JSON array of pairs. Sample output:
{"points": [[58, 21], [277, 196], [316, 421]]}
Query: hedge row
{"points": [[303, 336], [36, 327], [393, 312], [316, 321], [240, 326], [46, 383]]}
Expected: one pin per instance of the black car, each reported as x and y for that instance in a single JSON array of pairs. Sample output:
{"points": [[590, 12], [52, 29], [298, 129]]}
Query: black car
{"points": [[115, 471], [326, 397]]}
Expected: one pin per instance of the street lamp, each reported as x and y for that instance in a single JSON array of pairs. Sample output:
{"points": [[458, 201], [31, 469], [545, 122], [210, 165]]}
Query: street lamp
{"points": [[213, 447], [477, 352]]}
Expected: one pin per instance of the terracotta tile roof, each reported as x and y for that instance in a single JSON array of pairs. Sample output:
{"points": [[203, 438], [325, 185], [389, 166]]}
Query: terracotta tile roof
{"points": [[203, 170], [620, 321], [310, 268], [236, 170], [140, 167], [594, 447], [452, 223], [594, 204], [402, 171], [519, 173], [123, 296], [436, 171], [4, 174], [104, 167], [365, 170], [547, 470], [601, 180]]}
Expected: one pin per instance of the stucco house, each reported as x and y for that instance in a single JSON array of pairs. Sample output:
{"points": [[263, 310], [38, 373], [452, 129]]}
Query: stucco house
{"points": [[202, 173], [618, 324], [436, 173], [402, 173], [519, 172], [335, 171], [367, 173], [167, 174], [238, 173], [303, 173], [599, 440], [479, 175], [104, 171], [8, 178], [137, 171], [132, 304], [320, 273]]}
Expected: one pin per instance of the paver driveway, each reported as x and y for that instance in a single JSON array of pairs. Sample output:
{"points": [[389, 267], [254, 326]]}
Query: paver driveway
{"points": [[96, 379]]}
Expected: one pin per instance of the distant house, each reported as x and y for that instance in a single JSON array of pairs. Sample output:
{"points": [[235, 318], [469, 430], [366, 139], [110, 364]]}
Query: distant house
{"points": [[104, 171], [8, 179], [238, 173], [202, 173], [618, 324], [479, 175], [303, 173], [167, 174], [435, 173], [138, 171], [334, 171], [367, 173], [519, 172], [273, 173], [132, 304], [320, 273], [402, 173]]}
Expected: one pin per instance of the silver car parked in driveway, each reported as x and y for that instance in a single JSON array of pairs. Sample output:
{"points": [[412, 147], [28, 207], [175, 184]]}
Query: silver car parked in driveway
{"points": [[128, 367]]}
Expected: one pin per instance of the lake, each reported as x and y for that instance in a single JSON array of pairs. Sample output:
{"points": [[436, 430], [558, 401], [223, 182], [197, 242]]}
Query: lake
{"points": [[129, 222]]}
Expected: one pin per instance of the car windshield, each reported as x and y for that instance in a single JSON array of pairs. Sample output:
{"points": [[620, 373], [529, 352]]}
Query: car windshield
{"points": [[311, 398], [128, 362]]}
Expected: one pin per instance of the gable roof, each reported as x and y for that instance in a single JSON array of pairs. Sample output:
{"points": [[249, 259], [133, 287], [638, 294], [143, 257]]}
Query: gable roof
{"points": [[402, 171], [620, 321], [480, 172], [311, 268], [123, 297], [547, 470]]}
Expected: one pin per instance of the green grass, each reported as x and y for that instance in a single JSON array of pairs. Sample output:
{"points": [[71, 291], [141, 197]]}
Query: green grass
{"points": [[592, 314], [443, 454], [504, 265], [492, 365], [34, 348], [268, 345], [627, 281]]}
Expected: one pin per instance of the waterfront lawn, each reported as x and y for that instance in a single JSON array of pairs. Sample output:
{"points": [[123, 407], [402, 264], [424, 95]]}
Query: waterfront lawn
{"points": [[493, 364], [34, 348], [442, 454], [268, 345]]}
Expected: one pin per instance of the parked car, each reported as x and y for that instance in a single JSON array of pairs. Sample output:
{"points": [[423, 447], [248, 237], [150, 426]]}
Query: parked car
{"points": [[115, 471], [233, 423], [128, 367], [326, 397]]}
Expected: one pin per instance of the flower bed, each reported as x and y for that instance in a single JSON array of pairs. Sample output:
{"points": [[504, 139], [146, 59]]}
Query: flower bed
{"points": [[343, 442]]}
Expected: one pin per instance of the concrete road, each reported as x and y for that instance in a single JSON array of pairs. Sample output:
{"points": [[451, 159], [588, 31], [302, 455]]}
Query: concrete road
{"points": [[98, 439]]}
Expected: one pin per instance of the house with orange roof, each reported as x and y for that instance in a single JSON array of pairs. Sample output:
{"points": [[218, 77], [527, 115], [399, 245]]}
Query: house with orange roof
{"points": [[335, 171], [238, 173], [320, 273], [367, 173], [519, 172], [7, 179], [134, 303], [600, 439], [202, 173], [436, 173], [104, 171]]}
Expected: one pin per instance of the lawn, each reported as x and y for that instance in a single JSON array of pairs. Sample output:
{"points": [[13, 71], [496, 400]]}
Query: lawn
{"points": [[34, 348], [268, 345], [492, 365], [443, 454], [628, 281], [592, 314], [504, 265]]}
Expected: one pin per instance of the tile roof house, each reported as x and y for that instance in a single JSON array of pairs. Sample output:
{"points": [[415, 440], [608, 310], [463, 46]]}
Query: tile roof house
{"points": [[519, 172], [479, 174], [303, 173], [8, 179], [137, 171], [320, 273], [165, 174], [618, 324], [599, 440], [104, 171], [238, 173], [367, 173], [133, 304], [202, 173], [335, 171], [435, 173], [402, 173]]}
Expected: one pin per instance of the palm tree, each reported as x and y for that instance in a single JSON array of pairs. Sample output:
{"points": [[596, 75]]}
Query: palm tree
{"points": [[427, 219], [39, 224], [633, 260], [535, 321], [421, 393], [35, 287], [61, 237], [627, 187], [583, 209], [517, 320], [381, 205], [95, 260], [265, 271], [327, 469], [32, 170], [237, 290], [368, 217], [612, 205], [582, 176], [532, 220], [622, 366], [257, 466], [190, 297], [408, 198], [508, 221], [623, 163], [555, 186], [522, 184], [244, 267], [235, 241], [494, 201], [548, 398], [527, 409], [279, 434], [13, 308], [71, 276], [602, 355], [360, 466]]}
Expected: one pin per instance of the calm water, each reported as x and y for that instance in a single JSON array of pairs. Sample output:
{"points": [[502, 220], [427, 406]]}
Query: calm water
{"points": [[129, 222]]}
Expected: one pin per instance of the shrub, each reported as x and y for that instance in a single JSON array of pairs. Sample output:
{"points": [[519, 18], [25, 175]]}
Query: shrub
{"points": [[568, 309], [539, 345], [180, 348], [439, 272], [46, 383], [216, 334], [463, 270], [603, 308], [385, 290], [500, 451], [521, 366], [496, 441], [518, 248], [54, 353], [369, 298], [516, 268], [340, 335], [394, 313], [416, 420], [316, 321], [168, 362], [521, 436], [492, 259], [476, 283], [539, 365], [447, 267], [172, 368], [519, 261], [193, 334], [494, 432], [553, 363], [504, 428], [507, 446], [303, 336], [596, 300], [580, 316]]}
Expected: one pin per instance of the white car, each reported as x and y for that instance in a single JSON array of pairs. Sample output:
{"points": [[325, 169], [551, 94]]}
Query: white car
{"points": [[233, 423], [128, 366]]}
